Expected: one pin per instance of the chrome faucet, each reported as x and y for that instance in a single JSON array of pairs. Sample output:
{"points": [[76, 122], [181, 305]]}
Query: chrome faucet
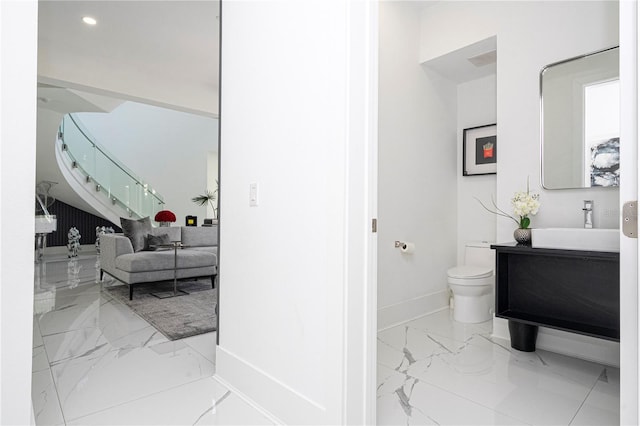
{"points": [[588, 213]]}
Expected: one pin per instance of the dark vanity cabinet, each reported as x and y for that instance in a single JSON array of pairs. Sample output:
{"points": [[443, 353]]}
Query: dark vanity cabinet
{"points": [[570, 290]]}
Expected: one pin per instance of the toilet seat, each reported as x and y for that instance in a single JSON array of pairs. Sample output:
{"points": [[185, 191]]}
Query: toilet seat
{"points": [[470, 272]]}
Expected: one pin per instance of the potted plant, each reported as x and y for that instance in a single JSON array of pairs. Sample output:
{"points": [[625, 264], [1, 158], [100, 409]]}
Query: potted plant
{"points": [[208, 197]]}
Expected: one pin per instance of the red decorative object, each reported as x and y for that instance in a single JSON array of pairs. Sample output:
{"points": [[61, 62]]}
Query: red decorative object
{"points": [[165, 216]]}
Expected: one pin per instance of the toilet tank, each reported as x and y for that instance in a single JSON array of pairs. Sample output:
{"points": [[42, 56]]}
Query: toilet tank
{"points": [[479, 254]]}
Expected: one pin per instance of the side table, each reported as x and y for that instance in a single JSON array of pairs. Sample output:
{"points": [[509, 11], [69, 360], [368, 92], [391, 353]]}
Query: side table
{"points": [[167, 294]]}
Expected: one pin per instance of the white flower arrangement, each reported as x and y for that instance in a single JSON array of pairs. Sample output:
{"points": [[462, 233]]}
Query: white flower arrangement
{"points": [[524, 203]]}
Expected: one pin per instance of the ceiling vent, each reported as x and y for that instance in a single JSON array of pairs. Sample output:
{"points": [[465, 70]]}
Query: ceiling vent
{"points": [[484, 59]]}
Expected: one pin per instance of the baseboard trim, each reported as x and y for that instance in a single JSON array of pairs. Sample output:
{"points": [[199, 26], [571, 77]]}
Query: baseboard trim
{"points": [[570, 344], [408, 310], [270, 396], [248, 400]]}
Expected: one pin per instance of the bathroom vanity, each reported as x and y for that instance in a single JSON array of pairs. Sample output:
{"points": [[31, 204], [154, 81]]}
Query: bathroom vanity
{"points": [[571, 290]]}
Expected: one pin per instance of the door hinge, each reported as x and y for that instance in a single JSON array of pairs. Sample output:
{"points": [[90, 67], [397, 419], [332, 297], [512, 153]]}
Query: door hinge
{"points": [[374, 225], [630, 219]]}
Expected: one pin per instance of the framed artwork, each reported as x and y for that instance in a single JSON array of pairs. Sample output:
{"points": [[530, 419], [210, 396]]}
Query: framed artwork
{"points": [[479, 150]]}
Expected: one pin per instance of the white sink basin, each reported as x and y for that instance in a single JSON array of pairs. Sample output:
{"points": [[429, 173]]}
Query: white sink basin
{"points": [[576, 239], [45, 224]]}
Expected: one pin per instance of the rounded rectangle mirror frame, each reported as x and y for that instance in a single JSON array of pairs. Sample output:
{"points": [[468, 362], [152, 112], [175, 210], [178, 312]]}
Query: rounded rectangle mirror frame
{"points": [[575, 152]]}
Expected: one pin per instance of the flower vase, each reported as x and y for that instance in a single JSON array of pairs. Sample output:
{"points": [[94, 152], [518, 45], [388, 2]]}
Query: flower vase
{"points": [[522, 235], [165, 223]]}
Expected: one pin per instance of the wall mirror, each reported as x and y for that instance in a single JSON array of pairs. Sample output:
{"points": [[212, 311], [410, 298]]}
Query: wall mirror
{"points": [[580, 121]]}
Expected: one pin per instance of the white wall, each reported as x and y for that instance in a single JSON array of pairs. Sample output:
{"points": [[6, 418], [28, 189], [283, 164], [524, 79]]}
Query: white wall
{"points": [[168, 149], [295, 126], [565, 36], [570, 28], [476, 107], [18, 46], [530, 35], [416, 171]]}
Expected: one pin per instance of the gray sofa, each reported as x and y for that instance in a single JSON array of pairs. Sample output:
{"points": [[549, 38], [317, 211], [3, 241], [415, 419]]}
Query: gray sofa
{"points": [[198, 259]]}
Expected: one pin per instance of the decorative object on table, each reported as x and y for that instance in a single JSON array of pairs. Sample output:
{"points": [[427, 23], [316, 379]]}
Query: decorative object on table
{"points": [[165, 217], [209, 197], [522, 235], [479, 150], [176, 318], [101, 230], [74, 241], [191, 220], [525, 204]]}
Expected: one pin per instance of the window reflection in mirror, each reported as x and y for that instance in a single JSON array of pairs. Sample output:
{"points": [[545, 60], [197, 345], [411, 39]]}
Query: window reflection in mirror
{"points": [[580, 117]]}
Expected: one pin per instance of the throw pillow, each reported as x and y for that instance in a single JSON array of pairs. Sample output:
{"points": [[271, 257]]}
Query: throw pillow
{"points": [[152, 241], [136, 230]]}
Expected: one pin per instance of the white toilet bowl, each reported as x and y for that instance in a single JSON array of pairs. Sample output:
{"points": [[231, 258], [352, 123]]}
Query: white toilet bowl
{"points": [[472, 285]]}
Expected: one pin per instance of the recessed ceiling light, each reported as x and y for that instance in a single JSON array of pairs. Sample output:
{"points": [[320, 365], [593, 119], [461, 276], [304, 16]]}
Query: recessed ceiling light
{"points": [[89, 20]]}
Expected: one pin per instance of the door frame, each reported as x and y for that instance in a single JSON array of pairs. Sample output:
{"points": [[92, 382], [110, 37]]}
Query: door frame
{"points": [[629, 18]]}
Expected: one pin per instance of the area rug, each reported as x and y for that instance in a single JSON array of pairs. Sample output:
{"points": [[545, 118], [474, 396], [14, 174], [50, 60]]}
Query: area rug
{"points": [[175, 317]]}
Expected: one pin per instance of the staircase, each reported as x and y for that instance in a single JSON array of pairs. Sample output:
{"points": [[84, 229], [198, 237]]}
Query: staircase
{"points": [[102, 181]]}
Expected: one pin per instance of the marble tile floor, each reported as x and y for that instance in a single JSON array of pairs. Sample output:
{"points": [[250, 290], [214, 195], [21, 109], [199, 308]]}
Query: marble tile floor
{"points": [[435, 371], [96, 362]]}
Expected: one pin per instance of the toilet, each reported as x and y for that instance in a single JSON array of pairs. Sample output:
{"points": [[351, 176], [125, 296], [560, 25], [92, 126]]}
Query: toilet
{"points": [[472, 284]]}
